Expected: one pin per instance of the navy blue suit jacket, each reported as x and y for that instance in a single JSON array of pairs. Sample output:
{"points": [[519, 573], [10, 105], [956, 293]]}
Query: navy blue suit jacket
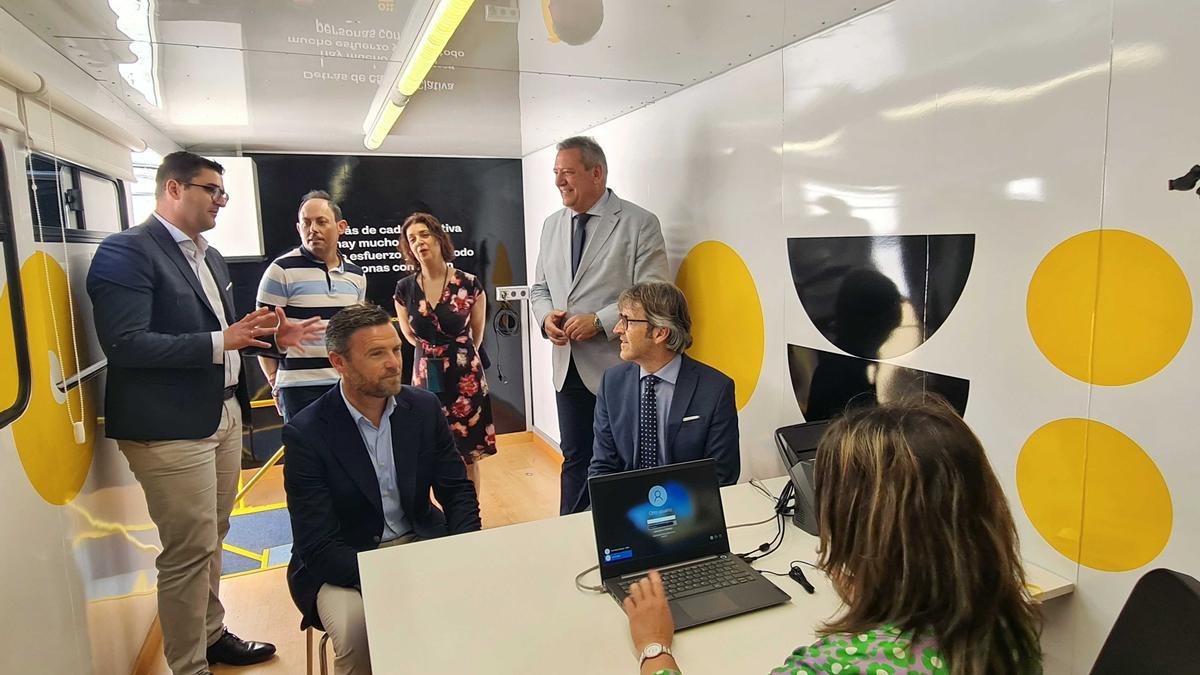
{"points": [[333, 492], [703, 397], [155, 324]]}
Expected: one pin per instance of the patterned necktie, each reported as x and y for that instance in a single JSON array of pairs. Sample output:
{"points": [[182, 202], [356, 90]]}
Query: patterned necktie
{"points": [[647, 456], [578, 237]]}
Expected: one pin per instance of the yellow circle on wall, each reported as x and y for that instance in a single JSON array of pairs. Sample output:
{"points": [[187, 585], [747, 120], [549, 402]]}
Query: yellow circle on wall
{"points": [[1109, 307], [54, 463], [727, 317], [1094, 495]]}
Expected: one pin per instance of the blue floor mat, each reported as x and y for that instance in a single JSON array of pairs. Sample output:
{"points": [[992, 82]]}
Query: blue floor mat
{"points": [[264, 533]]}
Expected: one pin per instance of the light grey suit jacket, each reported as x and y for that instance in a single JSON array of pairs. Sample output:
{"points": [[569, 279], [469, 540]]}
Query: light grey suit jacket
{"points": [[624, 246]]}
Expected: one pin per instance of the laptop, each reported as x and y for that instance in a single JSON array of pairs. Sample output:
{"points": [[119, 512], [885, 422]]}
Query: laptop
{"points": [[670, 518], [798, 449]]}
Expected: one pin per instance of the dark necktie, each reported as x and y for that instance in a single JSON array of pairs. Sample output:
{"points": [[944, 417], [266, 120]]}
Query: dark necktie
{"points": [[647, 456], [578, 237]]}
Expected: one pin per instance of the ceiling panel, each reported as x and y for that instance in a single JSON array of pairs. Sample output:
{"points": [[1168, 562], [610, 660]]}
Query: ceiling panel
{"points": [[301, 75]]}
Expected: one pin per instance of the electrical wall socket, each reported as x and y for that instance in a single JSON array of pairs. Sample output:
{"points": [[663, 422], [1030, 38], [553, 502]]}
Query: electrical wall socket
{"points": [[504, 293]]}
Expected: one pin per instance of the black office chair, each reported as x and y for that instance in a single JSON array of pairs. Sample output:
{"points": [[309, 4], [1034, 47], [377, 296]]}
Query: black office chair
{"points": [[1161, 615]]}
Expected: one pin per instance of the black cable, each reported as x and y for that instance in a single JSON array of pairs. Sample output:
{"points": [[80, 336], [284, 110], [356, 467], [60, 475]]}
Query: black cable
{"points": [[505, 323], [781, 511]]}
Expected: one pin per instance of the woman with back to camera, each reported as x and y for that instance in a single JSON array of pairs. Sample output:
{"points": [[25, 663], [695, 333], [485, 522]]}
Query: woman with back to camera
{"points": [[918, 541], [441, 311]]}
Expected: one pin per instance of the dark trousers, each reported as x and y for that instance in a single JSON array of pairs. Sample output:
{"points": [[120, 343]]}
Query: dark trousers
{"points": [[294, 399], [576, 410]]}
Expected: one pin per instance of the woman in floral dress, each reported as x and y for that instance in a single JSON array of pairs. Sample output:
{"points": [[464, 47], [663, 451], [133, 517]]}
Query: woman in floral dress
{"points": [[441, 311]]}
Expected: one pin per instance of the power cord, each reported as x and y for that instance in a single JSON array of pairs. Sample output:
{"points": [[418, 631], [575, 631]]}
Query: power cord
{"points": [[505, 323], [582, 587], [796, 573], [782, 510]]}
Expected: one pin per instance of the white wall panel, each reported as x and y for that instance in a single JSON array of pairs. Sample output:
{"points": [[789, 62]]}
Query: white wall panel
{"points": [[642, 51], [1022, 123], [935, 109], [1152, 136], [706, 162]]}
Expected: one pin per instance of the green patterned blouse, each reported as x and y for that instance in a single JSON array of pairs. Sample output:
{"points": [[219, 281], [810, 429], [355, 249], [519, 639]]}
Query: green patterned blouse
{"points": [[883, 651]]}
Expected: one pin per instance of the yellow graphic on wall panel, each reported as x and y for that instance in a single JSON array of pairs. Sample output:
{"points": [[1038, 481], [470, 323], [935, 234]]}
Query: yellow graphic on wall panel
{"points": [[1109, 307], [727, 317], [54, 463], [1094, 495]]}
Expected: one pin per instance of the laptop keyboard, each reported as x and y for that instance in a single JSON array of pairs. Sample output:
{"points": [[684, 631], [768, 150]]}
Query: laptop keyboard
{"points": [[710, 575]]}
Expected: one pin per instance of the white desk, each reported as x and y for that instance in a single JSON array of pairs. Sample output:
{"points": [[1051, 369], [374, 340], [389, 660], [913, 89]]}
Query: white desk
{"points": [[504, 601]]}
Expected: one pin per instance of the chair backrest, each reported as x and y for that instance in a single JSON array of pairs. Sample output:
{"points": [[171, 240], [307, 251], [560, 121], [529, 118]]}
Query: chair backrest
{"points": [[1156, 629]]}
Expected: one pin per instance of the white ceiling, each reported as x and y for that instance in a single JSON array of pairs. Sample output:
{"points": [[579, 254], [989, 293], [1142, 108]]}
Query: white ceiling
{"points": [[300, 75]]}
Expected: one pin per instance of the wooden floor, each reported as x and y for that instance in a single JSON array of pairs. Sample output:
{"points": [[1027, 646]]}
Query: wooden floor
{"points": [[519, 484]]}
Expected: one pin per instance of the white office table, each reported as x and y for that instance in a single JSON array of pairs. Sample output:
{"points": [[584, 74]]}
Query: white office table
{"points": [[504, 601]]}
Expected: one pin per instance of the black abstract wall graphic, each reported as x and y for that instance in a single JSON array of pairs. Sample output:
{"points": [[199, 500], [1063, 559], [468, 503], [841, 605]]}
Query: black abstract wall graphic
{"points": [[880, 297], [875, 298], [826, 384]]}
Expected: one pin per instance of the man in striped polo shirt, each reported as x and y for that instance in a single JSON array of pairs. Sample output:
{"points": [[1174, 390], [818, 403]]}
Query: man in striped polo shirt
{"points": [[312, 279]]}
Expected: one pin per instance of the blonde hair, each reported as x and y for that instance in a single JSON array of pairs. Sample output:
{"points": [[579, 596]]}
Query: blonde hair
{"points": [[916, 532]]}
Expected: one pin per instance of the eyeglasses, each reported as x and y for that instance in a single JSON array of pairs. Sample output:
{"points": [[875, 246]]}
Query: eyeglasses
{"points": [[624, 321], [217, 194]]}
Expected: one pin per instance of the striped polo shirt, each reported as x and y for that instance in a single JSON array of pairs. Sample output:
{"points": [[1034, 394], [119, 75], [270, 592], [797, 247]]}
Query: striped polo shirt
{"points": [[302, 284]]}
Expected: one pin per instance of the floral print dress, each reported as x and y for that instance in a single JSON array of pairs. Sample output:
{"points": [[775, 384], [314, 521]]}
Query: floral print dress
{"points": [[444, 344], [883, 651]]}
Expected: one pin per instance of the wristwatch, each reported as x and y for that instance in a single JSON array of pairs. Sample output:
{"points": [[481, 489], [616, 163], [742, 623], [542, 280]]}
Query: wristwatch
{"points": [[652, 650], [597, 324]]}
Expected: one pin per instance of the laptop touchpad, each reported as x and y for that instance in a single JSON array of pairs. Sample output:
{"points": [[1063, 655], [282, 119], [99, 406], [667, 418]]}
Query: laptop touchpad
{"points": [[707, 605]]}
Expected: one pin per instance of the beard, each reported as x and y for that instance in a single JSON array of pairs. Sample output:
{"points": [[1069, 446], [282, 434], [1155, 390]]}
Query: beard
{"points": [[382, 387]]}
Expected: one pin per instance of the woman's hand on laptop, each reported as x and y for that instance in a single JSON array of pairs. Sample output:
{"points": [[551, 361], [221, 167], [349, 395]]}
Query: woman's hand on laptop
{"points": [[650, 619]]}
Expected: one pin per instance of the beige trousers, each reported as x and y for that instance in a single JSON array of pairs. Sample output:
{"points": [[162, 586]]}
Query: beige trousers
{"points": [[341, 612], [190, 486]]}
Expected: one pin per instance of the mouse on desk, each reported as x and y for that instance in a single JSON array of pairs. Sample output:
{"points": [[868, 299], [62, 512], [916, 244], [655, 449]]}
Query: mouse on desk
{"points": [[797, 575]]}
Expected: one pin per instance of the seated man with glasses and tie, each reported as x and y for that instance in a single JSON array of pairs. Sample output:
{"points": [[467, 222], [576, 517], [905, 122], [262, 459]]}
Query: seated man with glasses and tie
{"points": [[662, 406]]}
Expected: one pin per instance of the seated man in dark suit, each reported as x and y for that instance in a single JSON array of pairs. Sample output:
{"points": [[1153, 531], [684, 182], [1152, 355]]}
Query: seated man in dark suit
{"points": [[361, 461], [662, 406]]}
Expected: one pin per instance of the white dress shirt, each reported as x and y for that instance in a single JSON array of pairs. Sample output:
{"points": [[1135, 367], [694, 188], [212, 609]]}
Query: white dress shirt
{"points": [[194, 254]]}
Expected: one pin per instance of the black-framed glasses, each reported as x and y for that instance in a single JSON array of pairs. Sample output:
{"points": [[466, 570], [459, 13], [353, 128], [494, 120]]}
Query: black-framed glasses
{"points": [[216, 193], [624, 321]]}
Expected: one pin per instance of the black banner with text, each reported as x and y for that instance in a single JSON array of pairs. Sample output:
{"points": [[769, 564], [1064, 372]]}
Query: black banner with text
{"points": [[477, 200]]}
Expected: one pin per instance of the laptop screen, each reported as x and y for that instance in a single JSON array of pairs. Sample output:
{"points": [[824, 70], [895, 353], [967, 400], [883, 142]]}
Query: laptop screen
{"points": [[655, 517]]}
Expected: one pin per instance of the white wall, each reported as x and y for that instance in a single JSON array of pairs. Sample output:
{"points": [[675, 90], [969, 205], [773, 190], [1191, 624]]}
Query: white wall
{"points": [[77, 574], [920, 115]]}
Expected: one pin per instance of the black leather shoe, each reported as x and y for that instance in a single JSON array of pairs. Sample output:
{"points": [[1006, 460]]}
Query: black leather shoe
{"points": [[232, 650]]}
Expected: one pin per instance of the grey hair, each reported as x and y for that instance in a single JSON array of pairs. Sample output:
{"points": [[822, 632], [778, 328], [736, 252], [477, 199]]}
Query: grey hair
{"points": [[348, 321], [321, 194], [589, 151], [665, 307]]}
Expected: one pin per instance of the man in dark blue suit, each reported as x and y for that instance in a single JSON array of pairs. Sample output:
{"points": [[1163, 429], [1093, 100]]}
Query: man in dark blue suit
{"points": [[361, 461], [661, 406], [174, 396]]}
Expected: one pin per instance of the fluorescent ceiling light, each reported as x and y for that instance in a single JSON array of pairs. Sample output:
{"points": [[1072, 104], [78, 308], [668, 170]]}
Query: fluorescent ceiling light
{"points": [[436, 33], [383, 125], [134, 20]]}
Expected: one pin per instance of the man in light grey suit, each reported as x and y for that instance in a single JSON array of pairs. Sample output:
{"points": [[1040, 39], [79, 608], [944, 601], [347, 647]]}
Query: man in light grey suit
{"points": [[591, 250]]}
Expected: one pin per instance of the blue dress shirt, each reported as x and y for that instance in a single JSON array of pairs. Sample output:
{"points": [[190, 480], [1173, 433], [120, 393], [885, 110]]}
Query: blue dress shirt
{"points": [[379, 448]]}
